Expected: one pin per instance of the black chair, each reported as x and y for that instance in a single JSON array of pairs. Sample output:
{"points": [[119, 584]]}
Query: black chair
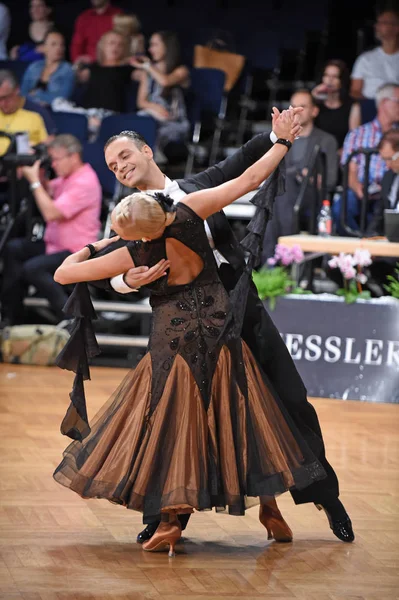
{"points": [[18, 67]]}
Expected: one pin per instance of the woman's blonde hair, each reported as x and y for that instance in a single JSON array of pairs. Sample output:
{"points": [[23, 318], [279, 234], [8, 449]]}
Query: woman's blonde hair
{"points": [[139, 216], [101, 43], [126, 25]]}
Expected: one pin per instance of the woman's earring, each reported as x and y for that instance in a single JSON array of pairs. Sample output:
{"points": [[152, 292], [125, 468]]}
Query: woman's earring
{"points": [[145, 240]]}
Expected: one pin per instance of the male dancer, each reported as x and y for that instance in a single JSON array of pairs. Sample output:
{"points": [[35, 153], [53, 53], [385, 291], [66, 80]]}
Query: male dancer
{"points": [[131, 160]]}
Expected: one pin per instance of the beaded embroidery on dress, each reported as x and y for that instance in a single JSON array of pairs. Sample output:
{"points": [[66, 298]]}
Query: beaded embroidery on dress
{"points": [[196, 424]]}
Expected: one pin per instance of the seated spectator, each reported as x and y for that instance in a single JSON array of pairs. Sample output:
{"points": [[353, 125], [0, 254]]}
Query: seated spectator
{"points": [[70, 206], [367, 136], [14, 116], [160, 91], [107, 79], [337, 111], [5, 22], [377, 67], [130, 27], [389, 153], [297, 162], [30, 46], [90, 26], [50, 78]]}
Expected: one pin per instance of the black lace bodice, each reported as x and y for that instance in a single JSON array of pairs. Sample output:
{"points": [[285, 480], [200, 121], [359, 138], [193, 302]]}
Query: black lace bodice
{"points": [[187, 319]]}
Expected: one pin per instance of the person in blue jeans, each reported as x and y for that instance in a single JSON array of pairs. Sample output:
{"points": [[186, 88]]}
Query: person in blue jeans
{"points": [[367, 136], [50, 78]]}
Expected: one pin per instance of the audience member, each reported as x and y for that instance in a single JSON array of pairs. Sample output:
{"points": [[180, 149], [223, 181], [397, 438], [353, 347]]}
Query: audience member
{"points": [[30, 46], [70, 205], [377, 67], [367, 136], [297, 162], [337, 111], [107, 79], [5, 22], [14, 115], [90, 26], [161, 87], [50, 78], [130, 27], [389, 152]]}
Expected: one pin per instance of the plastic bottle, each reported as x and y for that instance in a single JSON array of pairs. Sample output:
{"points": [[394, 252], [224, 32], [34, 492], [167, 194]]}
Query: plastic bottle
{"points": [[324, 221]]}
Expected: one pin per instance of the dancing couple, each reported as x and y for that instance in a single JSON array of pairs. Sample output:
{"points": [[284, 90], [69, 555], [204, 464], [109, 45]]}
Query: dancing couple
{"points": [[214, 415]]}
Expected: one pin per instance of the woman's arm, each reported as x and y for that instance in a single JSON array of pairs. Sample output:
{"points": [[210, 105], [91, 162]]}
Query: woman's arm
{"points": [[355, 116], [207, 202], [77, 267], [178, 76]]}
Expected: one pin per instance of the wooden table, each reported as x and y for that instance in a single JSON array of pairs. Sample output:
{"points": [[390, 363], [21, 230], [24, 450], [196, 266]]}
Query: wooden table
{"points": [[335, 245]]}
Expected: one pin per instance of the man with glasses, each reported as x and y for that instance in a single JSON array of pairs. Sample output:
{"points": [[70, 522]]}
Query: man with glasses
{"points": [[70, 206], [368, 136], [376, 67]]}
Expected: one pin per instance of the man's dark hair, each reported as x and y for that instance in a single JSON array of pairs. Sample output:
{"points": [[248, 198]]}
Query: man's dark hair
{"points": [[307, 92], [390, 137], [137, 138], [9, 76]]}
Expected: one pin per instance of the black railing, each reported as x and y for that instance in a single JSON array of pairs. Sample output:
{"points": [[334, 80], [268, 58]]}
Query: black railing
{"points": [[316, 177]]}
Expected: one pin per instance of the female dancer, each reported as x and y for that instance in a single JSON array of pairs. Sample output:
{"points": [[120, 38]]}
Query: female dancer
{"points": [[196, 425]]}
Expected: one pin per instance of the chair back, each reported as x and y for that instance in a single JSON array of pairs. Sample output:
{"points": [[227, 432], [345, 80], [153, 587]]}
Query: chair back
{"points": [[72, 123], [207, 87], [93, 153], [146, 126], [231, 64]]}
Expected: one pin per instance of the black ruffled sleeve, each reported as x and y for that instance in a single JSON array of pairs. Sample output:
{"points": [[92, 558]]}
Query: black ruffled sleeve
{"points": [[252, 244], [81, 346]]}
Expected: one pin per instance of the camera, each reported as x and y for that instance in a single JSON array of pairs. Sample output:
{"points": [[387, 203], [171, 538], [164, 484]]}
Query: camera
{"points": [[20, 154]]}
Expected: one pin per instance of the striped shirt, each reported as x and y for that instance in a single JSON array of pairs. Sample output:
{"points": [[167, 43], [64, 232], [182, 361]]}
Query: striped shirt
{"points": [[365, 136]]}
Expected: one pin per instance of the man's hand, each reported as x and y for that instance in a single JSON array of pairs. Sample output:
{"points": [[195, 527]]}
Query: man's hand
{"points": [[139, 276], [101, 244], [32, 173], [287, 116]]}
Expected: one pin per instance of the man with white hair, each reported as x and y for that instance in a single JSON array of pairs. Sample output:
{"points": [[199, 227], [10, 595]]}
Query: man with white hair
{"points": [[368, 136]]}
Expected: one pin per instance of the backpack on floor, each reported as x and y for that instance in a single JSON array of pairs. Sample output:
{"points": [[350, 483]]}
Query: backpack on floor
{"points": [[32, 344]]}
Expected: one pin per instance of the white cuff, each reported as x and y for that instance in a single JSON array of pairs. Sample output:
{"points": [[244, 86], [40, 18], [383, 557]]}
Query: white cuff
{"points": [[120, 286], [273, 137]]}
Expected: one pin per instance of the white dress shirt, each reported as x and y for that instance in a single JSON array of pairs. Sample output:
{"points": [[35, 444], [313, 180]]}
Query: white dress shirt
{"points": [[173, 190]]}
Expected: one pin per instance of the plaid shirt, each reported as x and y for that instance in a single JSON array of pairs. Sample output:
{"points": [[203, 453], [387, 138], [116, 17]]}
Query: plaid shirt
{"points": [[365, 136]]}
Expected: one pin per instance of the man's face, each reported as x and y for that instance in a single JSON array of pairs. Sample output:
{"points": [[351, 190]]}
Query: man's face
{"points": [[10, 99], [389, 107], [129, 163], [390, 156], [387, 27], [99, 3], [62, 162], [309, 112]]}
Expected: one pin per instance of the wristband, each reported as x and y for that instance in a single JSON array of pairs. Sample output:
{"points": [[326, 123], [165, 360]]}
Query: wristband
{"points": [[285, 143], [126, 283], [35, 185], [91, 249]]}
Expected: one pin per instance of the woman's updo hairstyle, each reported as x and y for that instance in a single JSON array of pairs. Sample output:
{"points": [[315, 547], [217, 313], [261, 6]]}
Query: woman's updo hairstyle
{"points": [[140, 216]]}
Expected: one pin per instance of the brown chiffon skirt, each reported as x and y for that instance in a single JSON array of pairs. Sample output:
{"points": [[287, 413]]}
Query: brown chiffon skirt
{"points": [[185, 456]]}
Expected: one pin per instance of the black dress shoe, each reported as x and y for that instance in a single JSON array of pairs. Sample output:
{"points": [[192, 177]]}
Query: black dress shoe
{"points": [[147, 533], [339, 520]]}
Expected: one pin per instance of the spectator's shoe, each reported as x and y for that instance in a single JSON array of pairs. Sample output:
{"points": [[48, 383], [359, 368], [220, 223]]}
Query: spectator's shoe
{"points": [[339, 520], [147, 533]]}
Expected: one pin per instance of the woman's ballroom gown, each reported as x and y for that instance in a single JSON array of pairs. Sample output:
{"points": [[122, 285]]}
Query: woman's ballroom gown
{"points": [[196, 425]]}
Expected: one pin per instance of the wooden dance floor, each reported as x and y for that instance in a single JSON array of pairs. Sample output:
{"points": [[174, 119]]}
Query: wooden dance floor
{"points": [[56, 546]]}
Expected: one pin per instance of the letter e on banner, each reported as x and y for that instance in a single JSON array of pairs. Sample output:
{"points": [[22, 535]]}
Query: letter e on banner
{"points": [[293, 341], [373, 355]]}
